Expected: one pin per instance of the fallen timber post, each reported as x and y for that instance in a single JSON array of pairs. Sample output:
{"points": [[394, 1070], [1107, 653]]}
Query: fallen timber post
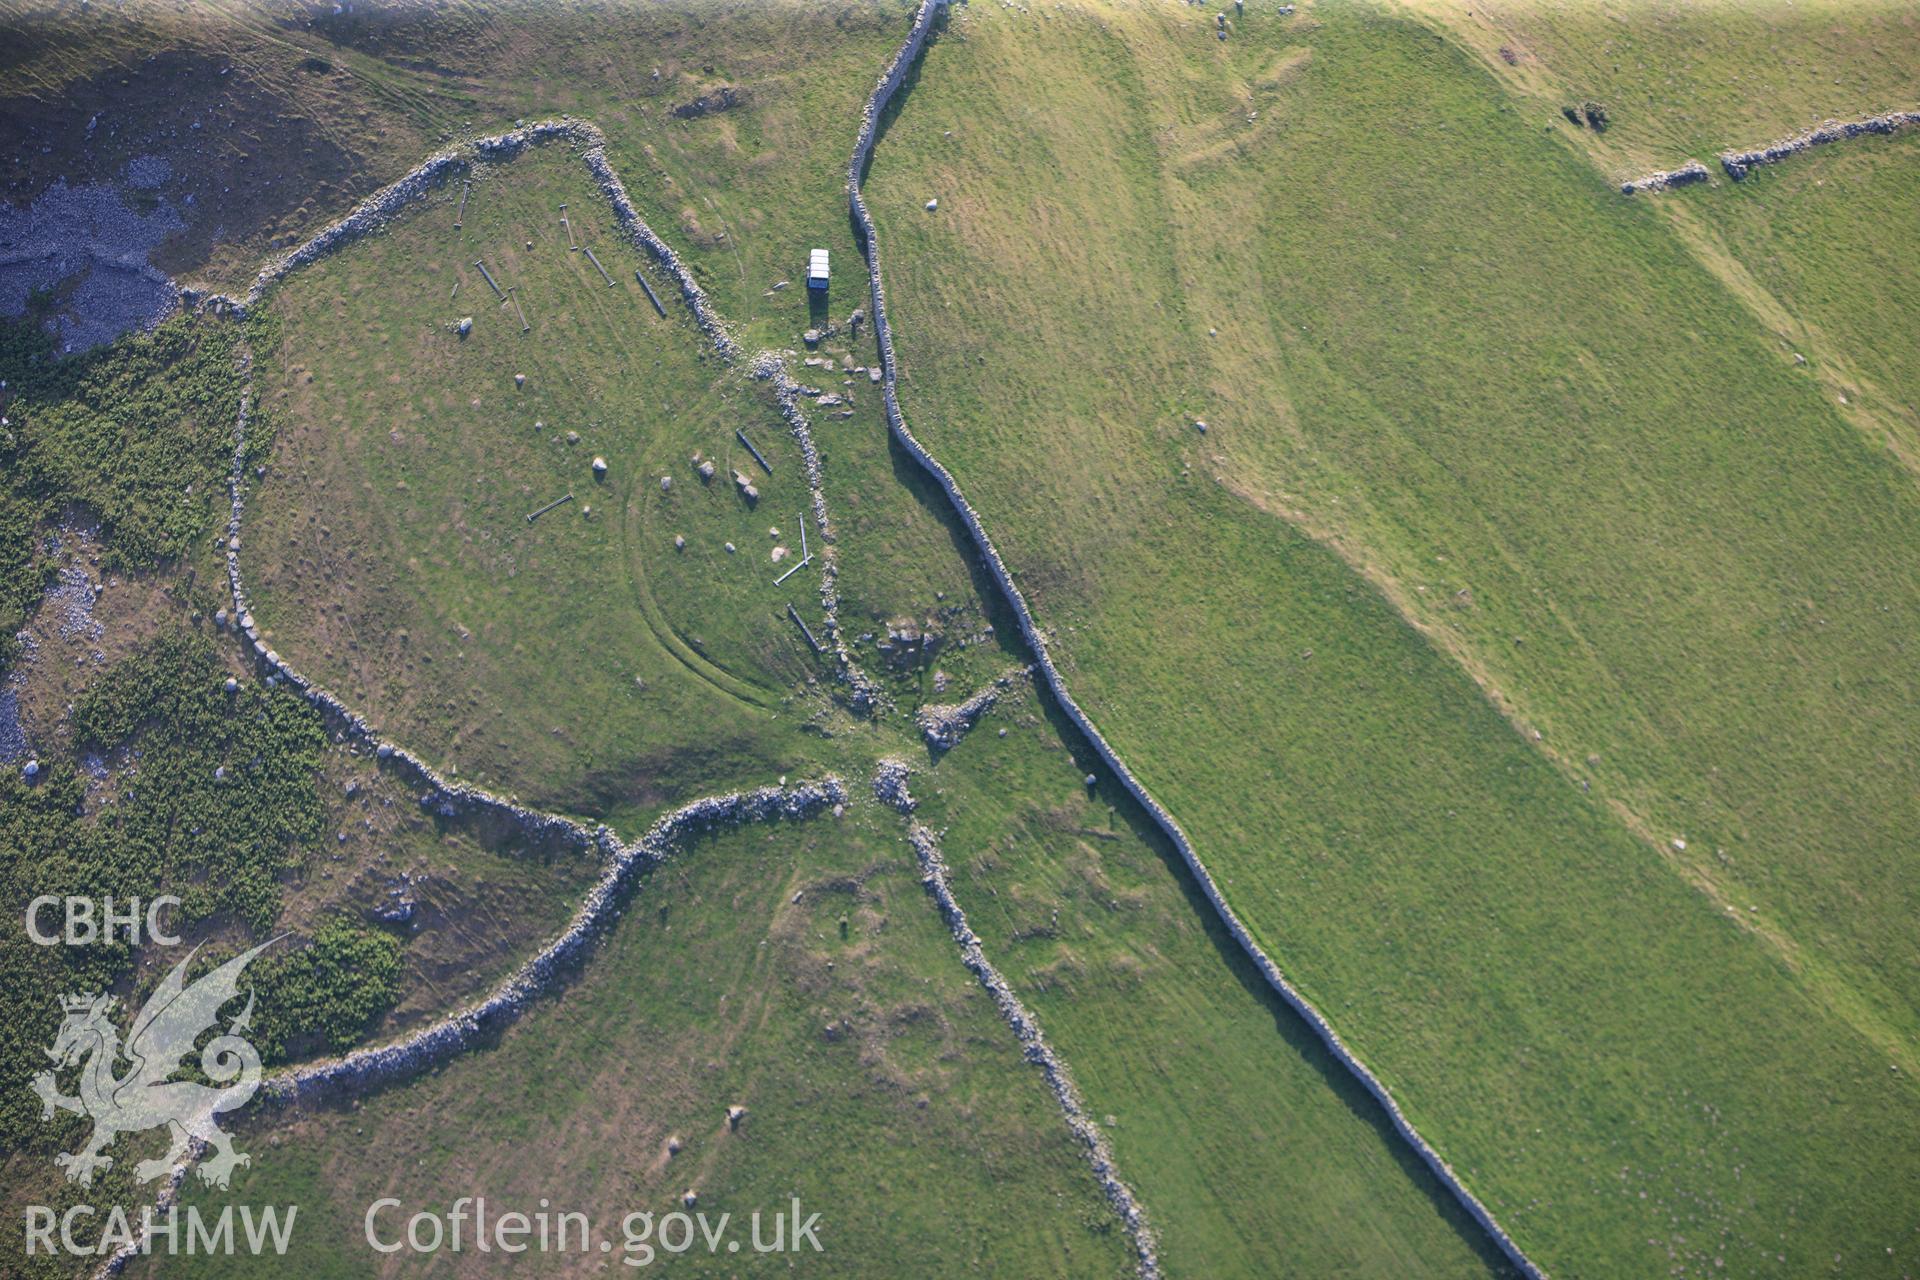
{"points": [[568, 224], [466, 185], [806, 631], [652, 297], [535, 515], [524, 326], [597, 267], [755, 452], [798, 566], [490, 280]]}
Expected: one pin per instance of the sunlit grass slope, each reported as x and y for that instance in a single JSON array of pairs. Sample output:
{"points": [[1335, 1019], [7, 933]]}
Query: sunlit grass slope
{"points": [[1639, 552]]}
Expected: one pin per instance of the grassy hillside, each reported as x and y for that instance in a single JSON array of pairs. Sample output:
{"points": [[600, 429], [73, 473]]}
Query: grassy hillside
{"points": [[797, 970], [1254, 1152], [1424, 331], [1846, 297], [1679, 79], [301, 111]]}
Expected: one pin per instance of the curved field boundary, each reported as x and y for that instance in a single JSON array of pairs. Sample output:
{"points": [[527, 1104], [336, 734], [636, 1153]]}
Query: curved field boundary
{"points": [[890, 788], [380, 208], [383, 1064], [391, 1063], [883, 92]]}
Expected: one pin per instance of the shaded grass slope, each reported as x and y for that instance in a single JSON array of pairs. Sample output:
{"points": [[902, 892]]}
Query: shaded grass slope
{"points": [[798, 971]]}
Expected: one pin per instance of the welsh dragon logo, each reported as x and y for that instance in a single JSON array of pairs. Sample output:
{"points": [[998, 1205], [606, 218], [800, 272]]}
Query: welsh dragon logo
{"points": [[146, 1097]]}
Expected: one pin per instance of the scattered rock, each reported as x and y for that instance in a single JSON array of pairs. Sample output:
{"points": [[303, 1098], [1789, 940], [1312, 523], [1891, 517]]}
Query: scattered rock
{"points": [[519, 379], [573, 437], [725, 98], [599, 465], [464, 326], [679, 543], [735, 1114], [933, 204], [811, 337]]}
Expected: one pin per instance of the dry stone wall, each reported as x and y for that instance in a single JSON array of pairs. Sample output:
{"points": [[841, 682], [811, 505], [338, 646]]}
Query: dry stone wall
{"points": [[1686, 175], [934, 875], [883, 331], [384, 1064], [866, 696], [1738, 163], [890, 788]]}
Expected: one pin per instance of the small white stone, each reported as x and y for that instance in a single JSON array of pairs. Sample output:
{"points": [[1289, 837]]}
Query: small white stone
{"points": [[729, 548], [933, 204]]}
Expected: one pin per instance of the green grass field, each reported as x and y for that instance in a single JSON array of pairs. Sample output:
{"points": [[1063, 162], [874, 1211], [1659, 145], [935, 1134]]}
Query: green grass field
{"points": [[882, 1088], [1614, 514], [580, 660], [1795, 231], [1525, 640], [1254, 1151], [1679, 79]]}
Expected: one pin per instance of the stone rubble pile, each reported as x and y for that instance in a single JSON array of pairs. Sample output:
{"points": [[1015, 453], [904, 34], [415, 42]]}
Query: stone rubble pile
{"points": [[943, 727], [1686, 175], [890, 784], [865, 695], [93, 233], [868, 236], [1737, 163]]}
